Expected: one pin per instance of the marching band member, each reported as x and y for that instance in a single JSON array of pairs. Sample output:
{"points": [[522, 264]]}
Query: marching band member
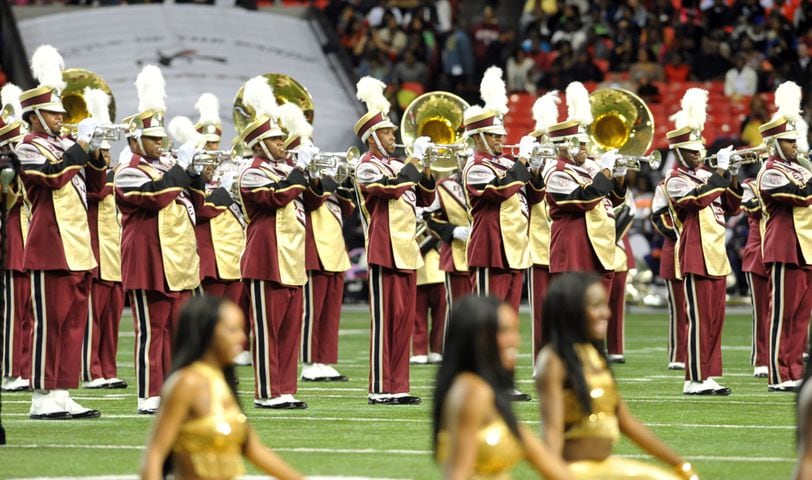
{"points": [[159, 262], [427, 346], [273, 264], [326, 260], [624, 261], [388, 192], [785, 188], [677, 315], [57, 173], [581, 193], [498, 243], [106, 293], [18, 318], [220, 228], [700, 199], [545, 113], [757, 280]]}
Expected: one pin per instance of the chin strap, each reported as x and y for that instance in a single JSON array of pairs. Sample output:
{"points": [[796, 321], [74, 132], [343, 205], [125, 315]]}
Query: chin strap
{"points": [[485, 143], [379, 145], [265, 149], [680, 159], [778, 150], [44, 124]]}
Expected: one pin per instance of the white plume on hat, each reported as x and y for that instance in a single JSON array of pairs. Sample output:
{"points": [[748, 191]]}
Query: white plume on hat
{"points": [[370, 91], [578, 107], [47, 65], [294, 121], [259, 95], [98, 105], [694, 110], [10, 95], [493, 91], [183, 131], [151, 88], [545, 110], [803, 135], [209, 108], [125, 155], [788, 102]]}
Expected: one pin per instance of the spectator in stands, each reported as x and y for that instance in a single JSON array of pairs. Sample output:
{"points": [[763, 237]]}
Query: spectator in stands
{"points": [[646, 67], [572, 32], [458, 59], [718, 15], [623, 55], [487, 37], [411, 70], [676, 70], [422, 41], [741, 80], [376, 64], [355, 39], [584, 69], [521, 76], [709, 64], [647, 90], [390, 39], [559, 74], [758, 115], [377, 14], [749, 10]]}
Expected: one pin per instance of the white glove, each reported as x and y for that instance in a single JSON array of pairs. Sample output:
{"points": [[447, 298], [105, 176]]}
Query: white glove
{"points": [[86, 129], [723, 157], [227, 181], [526, 146], [419, 147], [608, 159], [619, 172], [185, 155], [461, 233], [304, 155]]}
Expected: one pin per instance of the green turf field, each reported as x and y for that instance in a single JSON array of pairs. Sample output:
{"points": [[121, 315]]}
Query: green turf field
{"points": [[749, 435]]}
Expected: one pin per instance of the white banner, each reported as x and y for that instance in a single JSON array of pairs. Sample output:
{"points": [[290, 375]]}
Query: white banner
{"points": [[199, 49]]}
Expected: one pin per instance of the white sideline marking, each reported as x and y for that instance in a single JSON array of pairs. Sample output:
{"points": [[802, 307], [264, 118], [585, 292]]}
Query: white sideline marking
{"points": [[364, 451]]}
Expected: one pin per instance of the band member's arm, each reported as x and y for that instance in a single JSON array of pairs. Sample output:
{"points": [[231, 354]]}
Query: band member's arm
{"points": [[425, 190], [38, 170], [536, 191], [618, 193], [687, 195], [623, 221], [136, 188], [569, 195], [260, 189], [372, 181], [214, 204], [107, 188], [346, 198], [750, 203], [95, 171], [442, 227], [661, 222], [428, 245], [732, 198], [481, 182], [776, 186], [318, 191]]}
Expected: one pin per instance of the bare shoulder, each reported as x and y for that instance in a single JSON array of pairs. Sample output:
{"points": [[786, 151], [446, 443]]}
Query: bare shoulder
{"points": [[469, 390], [549, 365], [185, 384]]}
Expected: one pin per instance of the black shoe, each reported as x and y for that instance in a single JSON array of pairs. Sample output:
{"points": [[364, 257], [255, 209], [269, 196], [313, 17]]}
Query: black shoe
{"points": [[339, 378], [315, 379], [779, 388], [51, 416], [146, 411], [294, 405], [405, 400], [89, 413], [721, 391], [520, 397], [116, 384]]}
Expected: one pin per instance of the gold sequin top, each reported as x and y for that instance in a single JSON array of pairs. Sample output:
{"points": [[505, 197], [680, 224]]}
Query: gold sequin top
{"points": [[498, 451], [602, 422], [214, 443]]}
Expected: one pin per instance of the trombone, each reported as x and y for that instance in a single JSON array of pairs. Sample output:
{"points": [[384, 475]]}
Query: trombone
{"points": [[745, 156], [336, 165], [634, 162]]}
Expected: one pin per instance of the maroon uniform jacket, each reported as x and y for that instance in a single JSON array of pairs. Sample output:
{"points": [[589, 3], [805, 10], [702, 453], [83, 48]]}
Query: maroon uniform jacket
{"points": [[389, 191], [17, 219], [752, 260], [700, 199], [57, 175], [786, 192], [218, 202], [581, 199], [496, 192], [451, 212], [158, 246], [340, 205], [661, 220]]}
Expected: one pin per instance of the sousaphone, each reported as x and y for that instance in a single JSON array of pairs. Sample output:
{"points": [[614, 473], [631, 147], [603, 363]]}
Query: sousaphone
{"points": [[285, 89], [621, 120], [437, 115]]}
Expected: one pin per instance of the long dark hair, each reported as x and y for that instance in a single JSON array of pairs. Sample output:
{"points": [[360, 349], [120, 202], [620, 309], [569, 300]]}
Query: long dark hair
{"points": [[471, 347], [565, 324], [192, 339]]}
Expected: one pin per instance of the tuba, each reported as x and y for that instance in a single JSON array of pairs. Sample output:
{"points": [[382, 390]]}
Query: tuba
{"points": [[622, 121], [285, 89], [437, 115], [73, 99]]}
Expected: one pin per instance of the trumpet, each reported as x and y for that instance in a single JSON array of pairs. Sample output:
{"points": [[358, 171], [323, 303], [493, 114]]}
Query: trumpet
{"points": [[441, 157], [336, 165], [545, 151], [206, 158], [633, 162], [109, 133], [745, 156]]}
